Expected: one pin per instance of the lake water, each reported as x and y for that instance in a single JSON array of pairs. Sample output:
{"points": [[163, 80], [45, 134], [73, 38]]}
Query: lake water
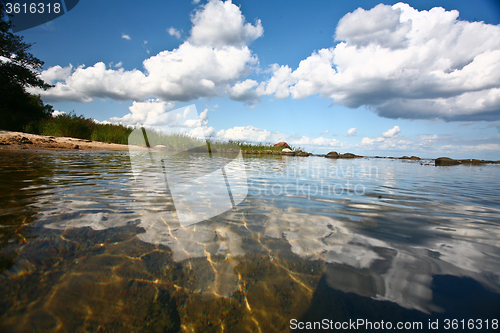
{"points": [[90, 245]]}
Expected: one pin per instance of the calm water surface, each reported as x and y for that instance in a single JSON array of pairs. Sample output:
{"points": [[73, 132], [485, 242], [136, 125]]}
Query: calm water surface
{"points": [[89, 246]]}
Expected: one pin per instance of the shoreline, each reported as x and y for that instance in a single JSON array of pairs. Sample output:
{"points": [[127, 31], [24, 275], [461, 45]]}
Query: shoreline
{"points": [[17, 141]]}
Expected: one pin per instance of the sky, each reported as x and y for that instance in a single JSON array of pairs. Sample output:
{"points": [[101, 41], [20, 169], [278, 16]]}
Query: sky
{"points": [[389, 79]]}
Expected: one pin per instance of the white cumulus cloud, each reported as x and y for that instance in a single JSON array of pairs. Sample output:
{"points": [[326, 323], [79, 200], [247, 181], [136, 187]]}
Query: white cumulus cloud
{"points": [[152, 112], [174, 32], [259, 135], [387, 137], [324, 142], [220, 24], [242, 91], [392, 132], [124, 36], [249, 134], [403, 63], [209, 64], [352, 132], [56, 73]]}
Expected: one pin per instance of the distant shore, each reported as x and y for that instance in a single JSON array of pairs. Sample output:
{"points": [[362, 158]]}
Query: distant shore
{"points": [[16, 141]]}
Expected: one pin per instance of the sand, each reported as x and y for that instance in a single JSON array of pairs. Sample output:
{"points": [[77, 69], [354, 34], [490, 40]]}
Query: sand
{"points": [[24, 141]]}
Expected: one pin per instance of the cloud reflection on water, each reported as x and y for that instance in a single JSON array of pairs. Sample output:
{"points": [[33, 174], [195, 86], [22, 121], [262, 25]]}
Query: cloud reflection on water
{"points": [[387, 248]]}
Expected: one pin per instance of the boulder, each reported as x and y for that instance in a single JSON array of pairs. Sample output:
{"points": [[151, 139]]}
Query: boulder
{"points": [[444, 161], [404, 158], [282, 144], [287, 150], [332, 154], [349, 155], [25, 140], [302, 153], [415, 158]]}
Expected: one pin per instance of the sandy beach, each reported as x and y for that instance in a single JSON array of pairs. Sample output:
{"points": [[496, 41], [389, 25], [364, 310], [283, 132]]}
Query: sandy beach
{"points": [[24, 141]]}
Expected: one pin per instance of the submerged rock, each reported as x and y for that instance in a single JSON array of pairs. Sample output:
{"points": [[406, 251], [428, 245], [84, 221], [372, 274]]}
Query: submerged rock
{"points": [[444, 161]]}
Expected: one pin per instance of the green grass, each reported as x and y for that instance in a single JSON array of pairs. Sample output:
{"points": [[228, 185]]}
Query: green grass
{"points": [[262, 146], [174, 142], [71, 125], [183, 142], [111, 133]]}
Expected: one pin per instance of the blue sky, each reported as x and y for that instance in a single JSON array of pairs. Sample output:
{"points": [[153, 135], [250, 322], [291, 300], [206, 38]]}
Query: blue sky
{"points": [[388, 79]]}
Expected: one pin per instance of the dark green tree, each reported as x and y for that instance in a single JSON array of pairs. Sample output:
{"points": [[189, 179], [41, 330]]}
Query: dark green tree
{"points": [[19, 70]]}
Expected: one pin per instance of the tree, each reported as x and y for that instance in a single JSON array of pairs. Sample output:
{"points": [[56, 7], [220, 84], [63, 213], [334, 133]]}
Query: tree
{"points": [[19, 70]]}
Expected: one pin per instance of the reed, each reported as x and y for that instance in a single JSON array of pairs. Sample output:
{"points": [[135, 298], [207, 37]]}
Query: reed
{"points": [[71, 125]]}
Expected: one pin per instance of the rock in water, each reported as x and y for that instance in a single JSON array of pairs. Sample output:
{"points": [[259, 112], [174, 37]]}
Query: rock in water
{"points": [[332, 154], [349, 155], [282, 144], [443, 161]]}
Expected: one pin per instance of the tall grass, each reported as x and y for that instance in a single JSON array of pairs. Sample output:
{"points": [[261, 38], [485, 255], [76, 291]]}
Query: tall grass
{"points": [[71, 125], [175, 142], [111, 133], [262, 146]]}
